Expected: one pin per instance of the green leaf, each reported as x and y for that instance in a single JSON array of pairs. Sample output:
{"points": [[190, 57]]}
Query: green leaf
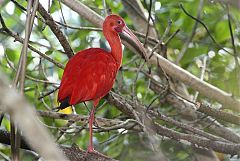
{"points": [[11, 54], [49, 52], [54, 7], [221, 31]]}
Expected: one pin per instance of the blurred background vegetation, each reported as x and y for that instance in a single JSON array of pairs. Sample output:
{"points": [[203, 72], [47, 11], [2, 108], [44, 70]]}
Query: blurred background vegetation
{"points": [[219, 57]]}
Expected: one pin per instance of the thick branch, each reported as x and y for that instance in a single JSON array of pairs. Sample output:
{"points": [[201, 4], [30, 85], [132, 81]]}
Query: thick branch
{"points": [[85, 12], [73, 153], [22, 113], [227, 148], [220, 114]]}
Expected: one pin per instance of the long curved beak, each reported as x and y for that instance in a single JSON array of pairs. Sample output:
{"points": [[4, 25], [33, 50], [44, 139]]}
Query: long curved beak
{"points": [[136, 43]]}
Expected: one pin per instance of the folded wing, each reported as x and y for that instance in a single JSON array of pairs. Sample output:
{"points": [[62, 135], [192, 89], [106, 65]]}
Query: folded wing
{"points": [[89, 75]]}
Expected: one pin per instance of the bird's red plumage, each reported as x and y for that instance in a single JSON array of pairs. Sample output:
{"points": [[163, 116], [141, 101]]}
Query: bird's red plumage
{"points": [[89, 75]]}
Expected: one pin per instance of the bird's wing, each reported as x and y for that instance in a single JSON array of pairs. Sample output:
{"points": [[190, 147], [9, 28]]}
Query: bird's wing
{"points": [[88, 75]]}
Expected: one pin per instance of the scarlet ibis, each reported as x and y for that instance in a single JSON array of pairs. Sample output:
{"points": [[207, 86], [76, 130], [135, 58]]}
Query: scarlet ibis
{"points": [[90, 74]]}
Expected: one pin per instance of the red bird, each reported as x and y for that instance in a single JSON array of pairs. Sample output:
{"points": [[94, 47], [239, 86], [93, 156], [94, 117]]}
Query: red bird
{"points": [[90, 74]]}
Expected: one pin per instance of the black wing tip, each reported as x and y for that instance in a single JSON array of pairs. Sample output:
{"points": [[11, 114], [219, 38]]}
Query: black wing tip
{"points": [[64, 104]]}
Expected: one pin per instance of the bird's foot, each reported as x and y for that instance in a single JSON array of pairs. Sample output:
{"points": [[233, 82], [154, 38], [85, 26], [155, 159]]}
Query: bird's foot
{"points": [[92, 151]]}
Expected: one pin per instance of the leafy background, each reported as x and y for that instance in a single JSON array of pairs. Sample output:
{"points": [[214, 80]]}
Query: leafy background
{"points": [[123, 144]]}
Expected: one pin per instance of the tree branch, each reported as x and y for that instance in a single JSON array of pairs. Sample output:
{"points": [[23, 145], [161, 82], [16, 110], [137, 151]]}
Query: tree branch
{"points": [[220, 114], [227, 148], [85, 12], [73, 153], [125, 106], [79, 118], [189, 39], [27, 121], [55, 29], [186, 109], [135, 11], [20, 76], [21, 40]]}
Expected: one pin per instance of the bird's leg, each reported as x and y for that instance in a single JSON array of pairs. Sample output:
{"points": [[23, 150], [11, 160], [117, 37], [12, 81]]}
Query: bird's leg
{"points": [[91, 120], [90, 146]]}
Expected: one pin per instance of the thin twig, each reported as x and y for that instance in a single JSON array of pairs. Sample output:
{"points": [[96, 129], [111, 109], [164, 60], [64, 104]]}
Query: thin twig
{"points": [[203, 67], [48, 93], [166, 32], [60, 6], [148, 24], [218, 45], [171, 37], [105, 7], [134, 92], [123, 104], [235, 55], [24, 9], [21, 40], [79, 27], [27, 76], [55, 29], [186, 44], [21, 74], [160, 42]]}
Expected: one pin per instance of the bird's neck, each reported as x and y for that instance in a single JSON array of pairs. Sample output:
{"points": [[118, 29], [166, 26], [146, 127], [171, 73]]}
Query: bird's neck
{"points": [[116, 46]]}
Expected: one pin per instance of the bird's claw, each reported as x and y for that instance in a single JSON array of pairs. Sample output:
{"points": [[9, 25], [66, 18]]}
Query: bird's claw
{"points": [[92, 151]]}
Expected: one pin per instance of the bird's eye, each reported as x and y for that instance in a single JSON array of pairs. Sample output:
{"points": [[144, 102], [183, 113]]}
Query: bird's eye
{"points": [[119, 22]]}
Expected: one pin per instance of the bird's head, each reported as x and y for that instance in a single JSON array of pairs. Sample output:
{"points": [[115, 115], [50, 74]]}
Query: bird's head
{"points": [[115, 23]]}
